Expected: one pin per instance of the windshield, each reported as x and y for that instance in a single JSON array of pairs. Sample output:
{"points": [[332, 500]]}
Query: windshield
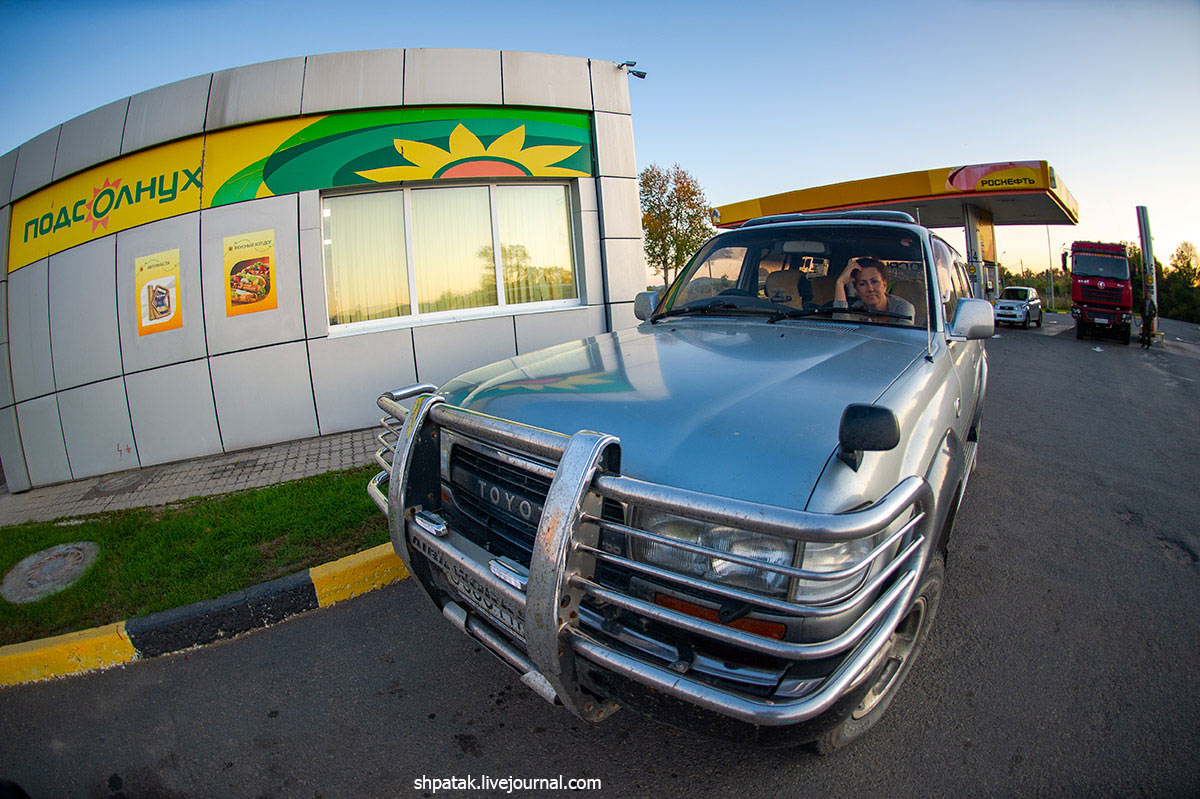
{"points": [[1088, 265], [862, 273], [1015, 294]]}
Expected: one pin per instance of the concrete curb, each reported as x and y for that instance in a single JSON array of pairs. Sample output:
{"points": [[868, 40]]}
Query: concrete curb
{"points": [[202, 622]]}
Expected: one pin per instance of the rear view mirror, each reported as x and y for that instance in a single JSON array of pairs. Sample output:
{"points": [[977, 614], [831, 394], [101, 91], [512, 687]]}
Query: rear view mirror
{"points": [[973, 319], [804, 247], [644, 304], [1064, 262], [871, 428]]}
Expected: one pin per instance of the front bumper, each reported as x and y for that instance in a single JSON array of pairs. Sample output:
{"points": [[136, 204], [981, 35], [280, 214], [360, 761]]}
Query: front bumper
{"points": [[575, 640], [1101, 316]]}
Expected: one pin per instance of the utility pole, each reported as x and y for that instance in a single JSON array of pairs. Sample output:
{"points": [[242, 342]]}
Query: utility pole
{"points": [[1150, 276]]}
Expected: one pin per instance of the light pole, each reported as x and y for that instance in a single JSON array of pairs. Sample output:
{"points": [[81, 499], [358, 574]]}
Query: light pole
{"points": [[1049, 267]]}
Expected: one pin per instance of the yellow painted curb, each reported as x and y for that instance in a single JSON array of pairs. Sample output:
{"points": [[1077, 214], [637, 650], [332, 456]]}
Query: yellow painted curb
{"points": [[356, 574], [96, 648]]}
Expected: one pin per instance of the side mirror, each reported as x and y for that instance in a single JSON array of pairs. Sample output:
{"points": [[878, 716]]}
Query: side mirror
{"points": [[1064, 260], [974, 319], [866, 428], [644, 304]]}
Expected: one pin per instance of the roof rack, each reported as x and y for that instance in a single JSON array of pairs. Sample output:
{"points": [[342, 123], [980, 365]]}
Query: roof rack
{"points": [[883, 216]]}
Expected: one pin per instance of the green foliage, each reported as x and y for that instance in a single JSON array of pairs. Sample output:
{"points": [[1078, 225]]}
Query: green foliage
{"points": [[152, 559], [675, 218]]}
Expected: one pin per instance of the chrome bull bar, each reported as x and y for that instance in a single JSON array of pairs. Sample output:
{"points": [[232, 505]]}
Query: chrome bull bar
{"points": [[566, 552]]}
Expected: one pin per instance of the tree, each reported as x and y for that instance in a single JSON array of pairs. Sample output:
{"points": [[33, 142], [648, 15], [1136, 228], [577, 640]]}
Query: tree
{"points": [[675, 218], [1184, 260]]}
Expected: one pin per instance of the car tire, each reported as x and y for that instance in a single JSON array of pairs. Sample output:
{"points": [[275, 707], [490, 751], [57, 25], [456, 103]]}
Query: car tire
{"points": [[1039, 321], [1078, 329], [1127, 336], [906, 643], [1025, 321]]}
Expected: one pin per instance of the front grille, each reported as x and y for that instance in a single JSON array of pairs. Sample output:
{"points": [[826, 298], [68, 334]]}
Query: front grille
{"points": [[498, 506], [1094, 294]]}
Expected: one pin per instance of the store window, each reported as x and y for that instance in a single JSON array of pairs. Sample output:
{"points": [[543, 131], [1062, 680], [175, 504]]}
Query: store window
{"points": [[446, 250]]}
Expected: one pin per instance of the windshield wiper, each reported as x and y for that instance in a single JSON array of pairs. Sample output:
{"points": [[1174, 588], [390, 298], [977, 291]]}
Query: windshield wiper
{"points": [[715, 307], [799, 313]]}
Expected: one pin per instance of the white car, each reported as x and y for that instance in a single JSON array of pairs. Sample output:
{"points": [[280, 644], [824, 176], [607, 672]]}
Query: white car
{"points": [[1019, 305]]}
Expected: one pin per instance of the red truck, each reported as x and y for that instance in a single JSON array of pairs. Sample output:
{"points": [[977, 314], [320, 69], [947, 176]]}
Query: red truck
{"points": [[1101, 292]]}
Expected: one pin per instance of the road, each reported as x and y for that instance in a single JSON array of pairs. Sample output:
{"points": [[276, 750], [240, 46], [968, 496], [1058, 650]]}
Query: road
{"points": [[1063, 661]]}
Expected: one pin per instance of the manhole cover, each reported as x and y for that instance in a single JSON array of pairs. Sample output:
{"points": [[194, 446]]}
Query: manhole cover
{"points": [[118, 484], [48, 572]]}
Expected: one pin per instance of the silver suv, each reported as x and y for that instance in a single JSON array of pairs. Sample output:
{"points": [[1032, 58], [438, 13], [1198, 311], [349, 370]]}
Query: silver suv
{"points": [[732, 518], [1019, 305]]}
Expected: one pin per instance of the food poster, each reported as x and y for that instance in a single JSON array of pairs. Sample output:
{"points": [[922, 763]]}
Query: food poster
{"points": [[156, 278], [250, 273]]}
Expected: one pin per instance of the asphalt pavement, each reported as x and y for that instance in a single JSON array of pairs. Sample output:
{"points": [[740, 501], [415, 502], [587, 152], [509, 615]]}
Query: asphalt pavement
{"points": [[1063, 661]]}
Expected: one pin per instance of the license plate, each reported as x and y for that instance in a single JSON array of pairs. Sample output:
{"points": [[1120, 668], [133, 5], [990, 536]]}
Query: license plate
{"points": [[476, 593], [1103, 320]]}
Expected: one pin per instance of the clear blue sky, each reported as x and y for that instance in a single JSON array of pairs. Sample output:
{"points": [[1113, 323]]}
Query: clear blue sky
{"points": [[753, 98]]}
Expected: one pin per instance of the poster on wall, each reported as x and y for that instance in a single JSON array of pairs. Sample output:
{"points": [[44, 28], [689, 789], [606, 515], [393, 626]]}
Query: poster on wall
{"points": [[156, 279], [250, 273]]}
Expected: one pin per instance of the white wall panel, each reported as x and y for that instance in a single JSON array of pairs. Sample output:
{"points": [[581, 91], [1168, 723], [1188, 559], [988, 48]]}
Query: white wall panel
{"points": [[538, 330], [90, 138], [8, 165], [621, 207], [284, 323], [4, 312], [360, 79], [310, 210], [350, 372], [445, 76], [165, 113], [41, 435], [11, 456], [168, 346], [588, 223], [587, 194], [626, 262], [29, 331], [543, 79], [83, 314], [172, 413], [95, 421], [622, 316], [35, 163], [610, 87], [259, 91], [312, 273], [614, 145], [264, 396], [446, 351], [6, 389]]}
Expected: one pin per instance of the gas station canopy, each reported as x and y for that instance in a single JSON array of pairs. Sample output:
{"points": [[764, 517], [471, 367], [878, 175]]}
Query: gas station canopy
{"points": [[1012, 192]]}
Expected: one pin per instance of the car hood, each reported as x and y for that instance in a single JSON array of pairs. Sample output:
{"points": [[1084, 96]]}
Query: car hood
{"points": [[740, 409]]}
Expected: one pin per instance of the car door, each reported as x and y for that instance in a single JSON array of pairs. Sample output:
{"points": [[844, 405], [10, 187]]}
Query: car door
{"points": [[971, 363], [952, 290]]}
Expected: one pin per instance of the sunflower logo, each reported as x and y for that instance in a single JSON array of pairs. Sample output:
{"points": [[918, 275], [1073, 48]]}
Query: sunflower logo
{"points": [[507, 156]]}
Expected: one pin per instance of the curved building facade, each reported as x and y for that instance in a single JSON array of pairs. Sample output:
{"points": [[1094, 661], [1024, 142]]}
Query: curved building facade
{"points": [[253, 255]]}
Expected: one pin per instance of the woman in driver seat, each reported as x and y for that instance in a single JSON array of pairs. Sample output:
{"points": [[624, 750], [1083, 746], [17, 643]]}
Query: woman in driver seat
{"points": [[870, 278]]}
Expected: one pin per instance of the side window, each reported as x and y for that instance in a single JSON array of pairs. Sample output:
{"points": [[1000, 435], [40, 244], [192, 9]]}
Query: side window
{"points": [[965, 289], [944, 263]]}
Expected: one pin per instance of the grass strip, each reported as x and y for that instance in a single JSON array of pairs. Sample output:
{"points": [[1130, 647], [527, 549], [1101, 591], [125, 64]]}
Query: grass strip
{"points": [[153, 559]]}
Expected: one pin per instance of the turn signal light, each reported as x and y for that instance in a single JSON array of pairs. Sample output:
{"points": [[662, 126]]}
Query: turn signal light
{"points": [[767, 629]]}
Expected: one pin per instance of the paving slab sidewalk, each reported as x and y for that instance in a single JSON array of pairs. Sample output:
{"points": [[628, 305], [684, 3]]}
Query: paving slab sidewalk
{"points": [[215, 474]]}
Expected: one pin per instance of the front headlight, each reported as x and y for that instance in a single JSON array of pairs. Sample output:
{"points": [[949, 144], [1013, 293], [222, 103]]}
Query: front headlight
{"points": [[763, 548], [830, 558]]}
